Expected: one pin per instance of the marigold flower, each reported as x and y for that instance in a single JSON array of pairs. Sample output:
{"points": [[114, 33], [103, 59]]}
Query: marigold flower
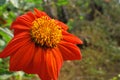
{"points": [[40, 45]]}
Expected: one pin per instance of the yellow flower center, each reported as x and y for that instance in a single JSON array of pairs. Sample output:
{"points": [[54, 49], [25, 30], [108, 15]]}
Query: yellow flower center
{"points": [[45, 32]]}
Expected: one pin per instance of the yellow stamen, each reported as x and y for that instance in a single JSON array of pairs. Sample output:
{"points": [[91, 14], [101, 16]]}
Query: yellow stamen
{"points": [[45, 32]]}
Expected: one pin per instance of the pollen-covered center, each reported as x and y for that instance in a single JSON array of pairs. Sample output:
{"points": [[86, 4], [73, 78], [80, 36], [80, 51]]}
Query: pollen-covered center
{"points": [[45, 32]]}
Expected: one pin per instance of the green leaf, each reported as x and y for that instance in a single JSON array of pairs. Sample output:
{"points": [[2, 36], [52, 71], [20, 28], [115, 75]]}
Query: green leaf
{"points": [[2, 43], [4, 77], [62, 2], [5, 36], [2, 2], [15, 3]]}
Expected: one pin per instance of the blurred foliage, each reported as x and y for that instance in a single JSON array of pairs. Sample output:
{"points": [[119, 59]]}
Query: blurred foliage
{"points": [[96, 23]]}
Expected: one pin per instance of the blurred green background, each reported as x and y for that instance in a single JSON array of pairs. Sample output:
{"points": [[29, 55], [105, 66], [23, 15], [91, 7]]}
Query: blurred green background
{"points": [[96, 22]]}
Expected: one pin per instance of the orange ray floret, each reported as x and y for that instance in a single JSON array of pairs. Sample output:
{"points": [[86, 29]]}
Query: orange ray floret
{"points": [[40, 45]]}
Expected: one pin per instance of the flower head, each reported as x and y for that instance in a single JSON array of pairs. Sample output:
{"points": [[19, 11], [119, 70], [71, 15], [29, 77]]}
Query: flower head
{"points": [[46, 32], [40, 45]]}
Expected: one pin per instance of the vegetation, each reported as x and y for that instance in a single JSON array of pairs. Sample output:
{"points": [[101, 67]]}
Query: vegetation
{"points": [[96, 22]]}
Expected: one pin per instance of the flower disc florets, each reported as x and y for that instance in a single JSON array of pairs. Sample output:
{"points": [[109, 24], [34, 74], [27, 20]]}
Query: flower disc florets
{"points": [[46, 32]]}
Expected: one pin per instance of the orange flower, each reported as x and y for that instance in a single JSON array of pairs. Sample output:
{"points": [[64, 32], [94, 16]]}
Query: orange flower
{"points": [[40, 45]]}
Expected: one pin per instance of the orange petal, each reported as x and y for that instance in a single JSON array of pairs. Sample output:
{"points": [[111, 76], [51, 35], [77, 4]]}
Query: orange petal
{"points": [[19, 28], [37, 61], [17, 42], [62, 25], [51, 65], [29, 17], [35, 65], [71, 38], [23, 22], [22, 57], [69, 51], [40, 13]]}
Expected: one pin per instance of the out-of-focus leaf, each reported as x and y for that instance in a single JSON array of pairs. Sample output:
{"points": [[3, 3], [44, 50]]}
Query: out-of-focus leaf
{"points": [[62, 2], [35, 1], [2, 2], [0, 60], [5, 36], [38, 1], [70, 24], [2, 43], [5, 77], [15, 3], [19, 75], [81, 17]]}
